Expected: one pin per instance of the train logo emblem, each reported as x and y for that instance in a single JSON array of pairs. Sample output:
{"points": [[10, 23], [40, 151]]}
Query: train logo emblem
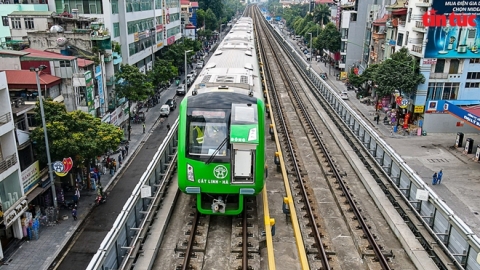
{"points": [[220, 171]]}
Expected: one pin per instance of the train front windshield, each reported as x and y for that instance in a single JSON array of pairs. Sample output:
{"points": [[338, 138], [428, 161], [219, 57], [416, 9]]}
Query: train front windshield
{"points": [[208, 134]]}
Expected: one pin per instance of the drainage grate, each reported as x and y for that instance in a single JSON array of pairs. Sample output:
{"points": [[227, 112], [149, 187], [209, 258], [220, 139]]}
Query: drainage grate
{"points": [[437, 160]]}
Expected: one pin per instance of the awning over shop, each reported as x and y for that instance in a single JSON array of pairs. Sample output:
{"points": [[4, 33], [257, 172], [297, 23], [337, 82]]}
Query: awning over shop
{"points": [[35, 192], [469, 111]]}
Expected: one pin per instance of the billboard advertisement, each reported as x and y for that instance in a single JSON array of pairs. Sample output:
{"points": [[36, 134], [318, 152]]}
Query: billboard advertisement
{"points": [[453, 29]]}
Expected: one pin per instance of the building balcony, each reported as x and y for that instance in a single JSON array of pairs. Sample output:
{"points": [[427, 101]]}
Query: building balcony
{"points": [[423, 3], [419, 27], [8, 162], [5, 119], [108, 58], [378, 36], [111, 81], [416, 51]]}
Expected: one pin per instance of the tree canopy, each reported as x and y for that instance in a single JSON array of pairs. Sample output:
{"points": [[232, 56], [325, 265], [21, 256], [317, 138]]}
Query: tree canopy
{"points": [[132, 84], [76, 134], [401, 73], [163, 70]]}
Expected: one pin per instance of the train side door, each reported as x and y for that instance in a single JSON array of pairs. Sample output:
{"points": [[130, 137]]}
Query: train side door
{"points": [[244, 141]]}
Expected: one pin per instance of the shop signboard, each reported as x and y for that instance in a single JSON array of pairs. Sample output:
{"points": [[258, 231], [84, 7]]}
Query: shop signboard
{"points": [[61, 168], [99, 78], [89, 86], [429, 61], [159, 28], [170, 40], [418, 109], [31, 176], [452, 29], [135, 37], [462, 114], [106, 118]]}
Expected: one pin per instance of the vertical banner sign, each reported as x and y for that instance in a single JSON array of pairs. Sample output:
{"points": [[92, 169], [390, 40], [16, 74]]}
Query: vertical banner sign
{"points": [[452, 29], [89, 83], [99, 78]]}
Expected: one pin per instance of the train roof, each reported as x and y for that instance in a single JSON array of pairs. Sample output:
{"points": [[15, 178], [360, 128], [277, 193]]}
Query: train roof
{"points": [[234, 63]]}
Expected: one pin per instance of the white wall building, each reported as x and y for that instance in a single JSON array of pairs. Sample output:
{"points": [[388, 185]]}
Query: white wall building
{"points": [[141, 27], [12, 200]]}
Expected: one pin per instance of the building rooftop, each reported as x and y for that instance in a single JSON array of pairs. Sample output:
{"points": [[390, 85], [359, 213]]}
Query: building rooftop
{"points": [[194, 4], [26, 79], [31, 13], [13, 52], [44, 55], [84, 62], [381, 21]]}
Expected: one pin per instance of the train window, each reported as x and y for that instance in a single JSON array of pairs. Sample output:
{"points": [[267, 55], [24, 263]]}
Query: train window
{"points": [[244, 114], [206, 137]]}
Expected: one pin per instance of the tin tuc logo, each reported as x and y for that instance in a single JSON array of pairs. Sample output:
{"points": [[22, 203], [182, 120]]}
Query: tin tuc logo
{"points": [[432, 19]]}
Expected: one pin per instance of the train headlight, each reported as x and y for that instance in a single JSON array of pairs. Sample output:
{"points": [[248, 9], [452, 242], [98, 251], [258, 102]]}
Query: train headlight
{"points": [[190, 174]]}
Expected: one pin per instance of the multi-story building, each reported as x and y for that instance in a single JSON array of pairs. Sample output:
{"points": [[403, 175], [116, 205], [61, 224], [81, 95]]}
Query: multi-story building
{"points": [[9, 6], [355, 34], [141, 28], [447, 54], [12, 198]]}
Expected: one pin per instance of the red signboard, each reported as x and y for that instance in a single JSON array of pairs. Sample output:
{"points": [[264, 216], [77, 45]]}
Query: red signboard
{"points": [[171, 40], [159, 27]]}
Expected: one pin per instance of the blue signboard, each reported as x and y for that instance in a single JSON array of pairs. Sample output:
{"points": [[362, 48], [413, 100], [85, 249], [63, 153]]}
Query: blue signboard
{"points": [[269, 18], [453, 29], [278, 18], [463, 114]]}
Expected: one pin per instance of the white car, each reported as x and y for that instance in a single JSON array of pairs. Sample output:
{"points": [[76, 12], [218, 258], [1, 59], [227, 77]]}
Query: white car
{"points": [[200, 64], [181, 89], [164, 110], [344, 95]]}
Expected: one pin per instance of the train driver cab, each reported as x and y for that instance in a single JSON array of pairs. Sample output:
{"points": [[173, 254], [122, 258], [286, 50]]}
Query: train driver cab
{"points": [[207, 135]]}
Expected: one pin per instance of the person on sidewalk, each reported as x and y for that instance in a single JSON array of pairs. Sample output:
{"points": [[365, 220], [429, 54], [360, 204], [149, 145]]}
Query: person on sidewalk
{"points": [[120, 160], [76, 196], [74, 213], [168, 126], [111, 169], [439, 177], [114, 163], [435, 178], [144, 128], [126, 149]]}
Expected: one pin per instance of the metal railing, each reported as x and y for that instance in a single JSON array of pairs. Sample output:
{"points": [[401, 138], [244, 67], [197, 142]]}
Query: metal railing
{"points": [[4, 119], [8, 162]]}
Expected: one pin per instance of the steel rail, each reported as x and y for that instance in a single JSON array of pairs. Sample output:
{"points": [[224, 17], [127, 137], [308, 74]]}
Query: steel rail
{"points": [[317, 235], [191, 239], [371, 239]]}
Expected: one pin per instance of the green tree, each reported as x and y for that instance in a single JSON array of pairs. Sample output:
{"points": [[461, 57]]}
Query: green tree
{"points": [[162, 72], [133, 85], [211, 20], [331, 37], [401, 73], [76, 134], [321, 14], [216, 6]]}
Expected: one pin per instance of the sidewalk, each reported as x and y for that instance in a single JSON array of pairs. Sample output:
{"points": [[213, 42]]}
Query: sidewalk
{"points": [[39, 254]]}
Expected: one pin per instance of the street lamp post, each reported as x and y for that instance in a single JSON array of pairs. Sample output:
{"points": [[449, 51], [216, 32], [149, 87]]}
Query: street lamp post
{"points": [[311, 53], [220, 34], [186, 83], [49, 160]]}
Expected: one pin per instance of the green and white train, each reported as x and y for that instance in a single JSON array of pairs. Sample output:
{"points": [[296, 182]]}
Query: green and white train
{"points": [[221, 136]]}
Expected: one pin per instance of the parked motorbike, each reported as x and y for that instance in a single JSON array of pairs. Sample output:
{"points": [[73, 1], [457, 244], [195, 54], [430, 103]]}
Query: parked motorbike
{"points": [[100, 199]]}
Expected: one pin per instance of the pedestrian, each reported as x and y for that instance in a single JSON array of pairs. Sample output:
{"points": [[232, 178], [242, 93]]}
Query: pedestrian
{"points": [[76, 197], [377, 117], [439, 177], [143, 127], [435, 178], [168, 126], [126, 149], [111, 169], [74, 213], [114, 163], [119, 160]]}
